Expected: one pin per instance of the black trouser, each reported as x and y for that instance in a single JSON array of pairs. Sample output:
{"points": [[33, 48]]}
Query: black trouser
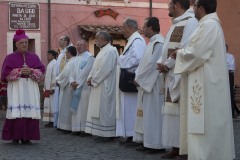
{"points": [[231, 83]]}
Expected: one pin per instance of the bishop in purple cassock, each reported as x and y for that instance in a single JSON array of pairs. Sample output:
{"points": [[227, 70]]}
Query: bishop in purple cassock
{"points": [[22, 70]]}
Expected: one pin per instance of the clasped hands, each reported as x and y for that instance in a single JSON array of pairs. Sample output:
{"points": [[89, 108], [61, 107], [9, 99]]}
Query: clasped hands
{"points": [[26, 71], [89, 82], [162, 67], [74, 85]]}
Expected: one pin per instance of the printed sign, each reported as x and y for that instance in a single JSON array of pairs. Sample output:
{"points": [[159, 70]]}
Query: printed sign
{"points": [[24, 16]]}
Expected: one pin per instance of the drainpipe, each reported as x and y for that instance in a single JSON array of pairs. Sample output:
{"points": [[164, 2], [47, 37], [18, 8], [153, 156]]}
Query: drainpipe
{"points": [[150, 8], [49, 24]]}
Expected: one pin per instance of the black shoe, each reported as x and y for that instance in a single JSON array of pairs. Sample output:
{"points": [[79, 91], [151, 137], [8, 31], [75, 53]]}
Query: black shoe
{"points": [[49, 125], [132, 144], [153, 151], [66, 132], [126, 141], [83, 134], [58, 129], [75, 133], [141, 149], [27, 142], [104, 139], [98, 139], [15, 142], [107, 139]]}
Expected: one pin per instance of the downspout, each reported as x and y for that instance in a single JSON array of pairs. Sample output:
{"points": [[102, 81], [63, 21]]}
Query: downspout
{"points": [[49, 24], [150, 8]]}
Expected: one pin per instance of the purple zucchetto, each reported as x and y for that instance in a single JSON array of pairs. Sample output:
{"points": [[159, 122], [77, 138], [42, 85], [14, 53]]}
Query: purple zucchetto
{"points": [[20, 34]]}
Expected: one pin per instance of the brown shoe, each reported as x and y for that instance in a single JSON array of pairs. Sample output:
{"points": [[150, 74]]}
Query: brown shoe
{"points": [[173, 154], [182, 157]]}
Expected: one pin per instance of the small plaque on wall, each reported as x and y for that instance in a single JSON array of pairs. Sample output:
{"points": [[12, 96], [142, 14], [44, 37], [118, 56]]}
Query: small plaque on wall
{"points": [[24, 16]]}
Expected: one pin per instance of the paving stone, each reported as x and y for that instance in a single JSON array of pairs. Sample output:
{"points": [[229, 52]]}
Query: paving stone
{"points": [[54, 145]]}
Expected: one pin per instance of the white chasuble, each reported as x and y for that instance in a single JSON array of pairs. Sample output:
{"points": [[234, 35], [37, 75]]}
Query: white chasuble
{"points": [[150, 96], [177, 37], [101, 117], [205, 57]]}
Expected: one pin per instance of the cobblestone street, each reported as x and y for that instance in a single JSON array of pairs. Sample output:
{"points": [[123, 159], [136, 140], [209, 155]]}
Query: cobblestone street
{"points": [[55, 145]]}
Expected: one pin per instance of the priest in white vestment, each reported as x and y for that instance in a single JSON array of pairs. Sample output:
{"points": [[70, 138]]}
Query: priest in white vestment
{"points": [[101, 117], [129, 59], [183, 25], [65, 97], [48, 89], [203, 61], [63, 42], [78, 81], [150, 89]]}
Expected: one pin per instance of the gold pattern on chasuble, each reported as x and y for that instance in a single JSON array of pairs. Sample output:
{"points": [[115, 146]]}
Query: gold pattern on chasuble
{"points": [[63, 63], [177, 34], [170, 51], [196, 98], [176, 37], [168, 97], [139, 113]]}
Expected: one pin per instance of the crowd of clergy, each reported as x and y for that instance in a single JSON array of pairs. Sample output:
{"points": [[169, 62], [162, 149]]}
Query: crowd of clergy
{"points": [[182, 103]]}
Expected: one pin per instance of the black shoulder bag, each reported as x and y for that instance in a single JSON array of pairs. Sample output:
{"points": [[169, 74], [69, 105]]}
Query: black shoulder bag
{"points": [[126, 81]]}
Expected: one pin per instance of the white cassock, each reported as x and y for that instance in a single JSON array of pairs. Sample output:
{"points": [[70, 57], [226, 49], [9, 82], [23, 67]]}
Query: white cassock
{"points": [[177, 37], [82, 68], [101, 117], [209, 124], [49, 84], [151, 85], [127, 110], [65, 97]]}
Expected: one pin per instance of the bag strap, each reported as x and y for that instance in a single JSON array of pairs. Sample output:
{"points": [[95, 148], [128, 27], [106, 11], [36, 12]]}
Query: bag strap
{"points": [[131, 45]]}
